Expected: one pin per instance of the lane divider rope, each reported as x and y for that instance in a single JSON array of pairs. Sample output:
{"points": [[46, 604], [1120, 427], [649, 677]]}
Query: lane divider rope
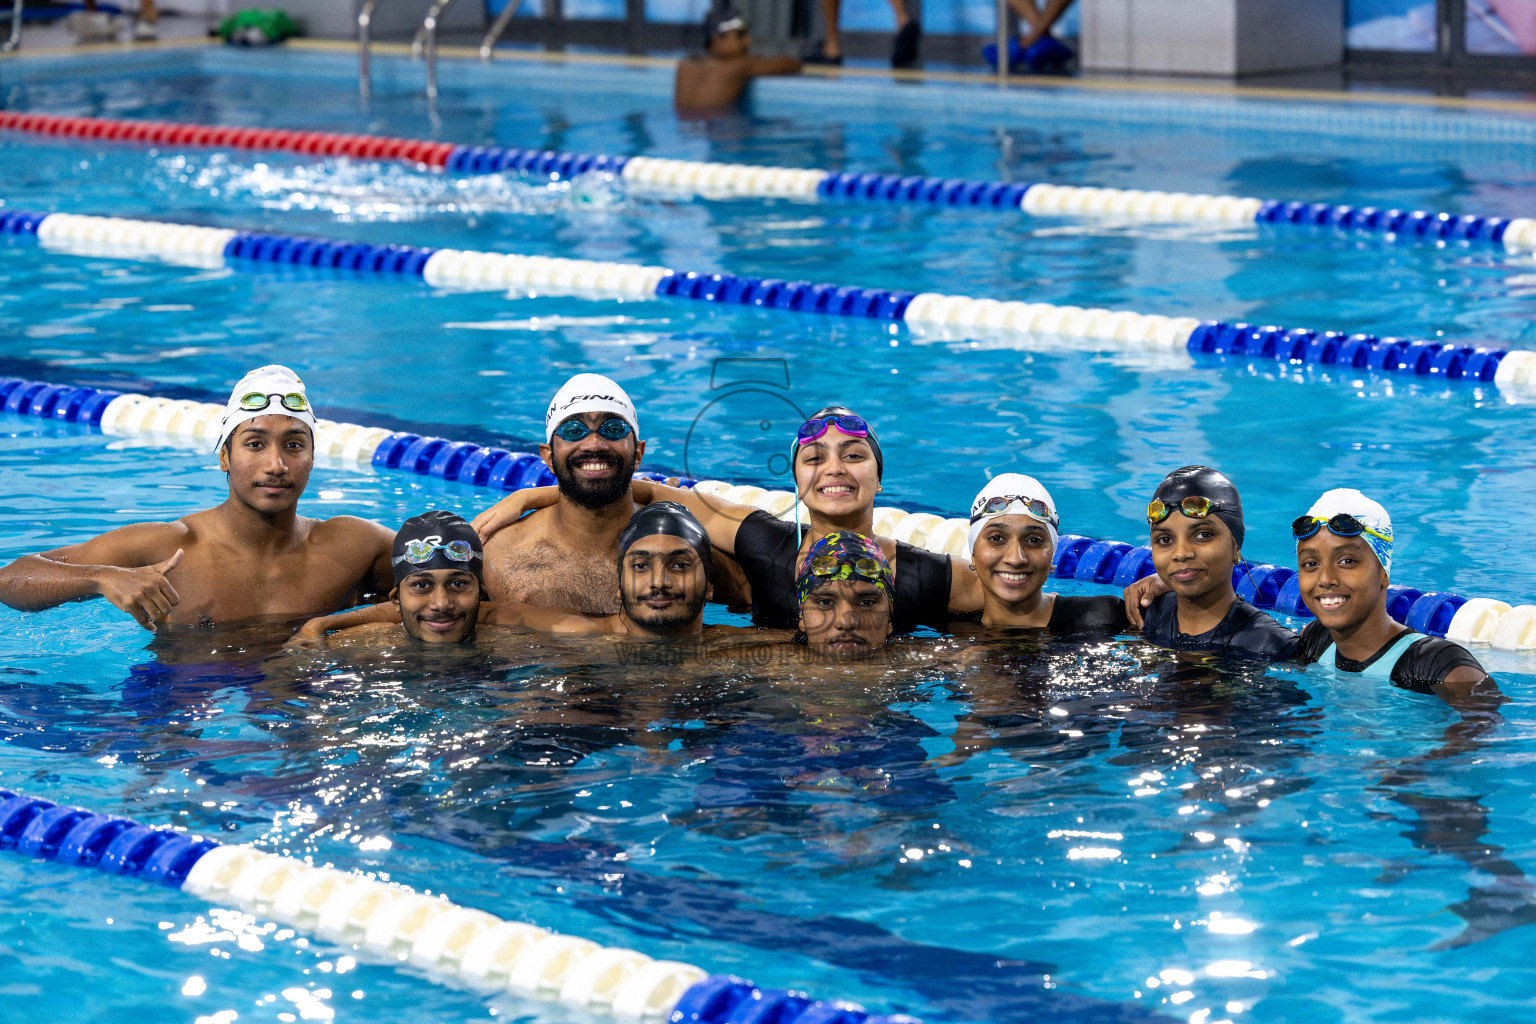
{"points": [[1512, 372], [446, 942], [184, 423], [729, 181]]}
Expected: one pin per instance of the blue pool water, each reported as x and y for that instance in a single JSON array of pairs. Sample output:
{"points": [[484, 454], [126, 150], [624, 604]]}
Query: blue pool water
{"points": [[992, 833]]}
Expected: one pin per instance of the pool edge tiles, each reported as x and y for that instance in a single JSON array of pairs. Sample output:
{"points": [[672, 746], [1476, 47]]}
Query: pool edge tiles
{"points": [[1343, 114]]}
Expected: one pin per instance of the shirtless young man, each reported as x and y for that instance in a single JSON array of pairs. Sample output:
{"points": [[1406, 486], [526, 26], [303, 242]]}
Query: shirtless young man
{"points": [[253, 555], [664, 560]]}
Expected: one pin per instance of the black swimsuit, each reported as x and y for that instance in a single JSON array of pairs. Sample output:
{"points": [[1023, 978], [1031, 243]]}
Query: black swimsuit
{"points": [[1244, 632], [768, 551]]}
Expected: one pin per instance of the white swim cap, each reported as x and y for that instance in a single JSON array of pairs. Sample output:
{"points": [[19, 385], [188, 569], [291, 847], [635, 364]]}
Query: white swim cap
{"points": [[267, 391], [589, 392], [1022, 489], [1378, 524]]}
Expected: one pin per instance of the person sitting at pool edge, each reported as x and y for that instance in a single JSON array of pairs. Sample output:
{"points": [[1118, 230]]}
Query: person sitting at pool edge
{"points": [[837, 465], [1013, 545], [1344, 561], [713, 81], [253, 555], [844, 591], [1196, 518], [664, 561]]}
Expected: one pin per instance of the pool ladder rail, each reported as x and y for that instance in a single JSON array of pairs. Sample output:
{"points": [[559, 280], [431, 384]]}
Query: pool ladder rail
{"points": [[15, 37], [423, 45]]}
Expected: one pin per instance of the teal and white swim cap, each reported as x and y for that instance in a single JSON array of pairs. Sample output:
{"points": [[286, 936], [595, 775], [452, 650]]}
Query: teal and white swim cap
{"points": [[1371, 514]]}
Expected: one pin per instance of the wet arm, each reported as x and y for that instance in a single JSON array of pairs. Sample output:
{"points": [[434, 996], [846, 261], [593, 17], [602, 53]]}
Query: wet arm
{"points": [[964, 588], [512, 508], [126, 566], [719, 517], [545, 620], [314, 629], [1141, 594], [773, 66]]}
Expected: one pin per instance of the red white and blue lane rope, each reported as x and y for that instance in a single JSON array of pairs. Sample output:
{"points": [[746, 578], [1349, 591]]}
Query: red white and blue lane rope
{"points": [[444, 941], [717, 180]]}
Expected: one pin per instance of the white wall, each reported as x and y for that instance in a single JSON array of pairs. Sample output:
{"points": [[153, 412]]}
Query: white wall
{"points": [[1211, 37]]}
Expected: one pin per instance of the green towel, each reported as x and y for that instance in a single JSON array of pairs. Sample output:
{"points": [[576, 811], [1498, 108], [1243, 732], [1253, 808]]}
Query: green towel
{"points": [[255, 27]]}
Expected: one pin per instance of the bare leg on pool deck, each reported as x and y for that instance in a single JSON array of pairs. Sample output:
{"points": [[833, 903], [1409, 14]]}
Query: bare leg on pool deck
{"points": [[1035, 22], [832, 46]]}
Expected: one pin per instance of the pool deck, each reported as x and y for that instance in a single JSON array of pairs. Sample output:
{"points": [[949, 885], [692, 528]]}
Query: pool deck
{"points": [[180, 33]]}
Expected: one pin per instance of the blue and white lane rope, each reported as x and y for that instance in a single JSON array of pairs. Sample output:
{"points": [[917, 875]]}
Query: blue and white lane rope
{"points": [[446, 942], [183, 423], [1512, 372]]}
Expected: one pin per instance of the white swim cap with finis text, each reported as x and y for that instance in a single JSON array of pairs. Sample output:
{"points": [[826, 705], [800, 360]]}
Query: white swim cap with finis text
{"points": [[589, 392]]}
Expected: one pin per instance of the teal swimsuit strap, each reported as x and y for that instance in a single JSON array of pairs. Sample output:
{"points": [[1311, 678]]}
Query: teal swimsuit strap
{"points": [[1382, 667]]}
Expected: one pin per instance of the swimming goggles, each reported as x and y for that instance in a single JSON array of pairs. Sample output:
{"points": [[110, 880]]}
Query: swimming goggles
{"points": [[828, 565], [611, 429], [1000, 503], [419, 551], [1194, 506], [293, 401], [1342, 525], [813, 430]]}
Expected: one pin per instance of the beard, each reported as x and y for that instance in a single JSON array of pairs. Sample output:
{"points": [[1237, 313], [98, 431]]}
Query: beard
{"points": [[594, 494], [677, 616]]}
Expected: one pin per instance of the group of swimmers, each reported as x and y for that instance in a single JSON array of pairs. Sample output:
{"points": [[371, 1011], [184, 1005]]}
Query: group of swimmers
{"points": [[602, 552]]}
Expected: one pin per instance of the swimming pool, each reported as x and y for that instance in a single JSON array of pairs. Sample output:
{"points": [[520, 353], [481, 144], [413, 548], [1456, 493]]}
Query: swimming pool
{"points": [[1260, 843]]}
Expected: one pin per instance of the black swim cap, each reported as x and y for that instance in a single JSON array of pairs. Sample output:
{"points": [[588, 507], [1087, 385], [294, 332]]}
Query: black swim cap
{"points": [[874, 442], [436, 540], [722, 18], [1205, 482], [673, 520]]}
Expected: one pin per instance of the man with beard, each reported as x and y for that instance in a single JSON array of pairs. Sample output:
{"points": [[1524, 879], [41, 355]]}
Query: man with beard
{"points": [[664, 558], [563, 556]]}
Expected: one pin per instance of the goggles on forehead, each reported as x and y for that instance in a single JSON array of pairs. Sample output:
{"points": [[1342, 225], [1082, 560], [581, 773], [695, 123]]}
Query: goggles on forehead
{"points": [[1194, 506], [1001, 503], [827, 565], [1342, 525], [419, 551], [293, 401], [814, 430], [614, 428]]}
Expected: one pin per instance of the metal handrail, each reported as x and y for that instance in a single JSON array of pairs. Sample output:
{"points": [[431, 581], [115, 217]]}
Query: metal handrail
{"points": [[429, 25], [364, 20], [15, 40], [488, 44], [1002, 42]]}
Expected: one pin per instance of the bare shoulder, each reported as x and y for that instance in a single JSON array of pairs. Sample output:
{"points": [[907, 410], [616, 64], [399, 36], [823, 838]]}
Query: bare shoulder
{"points": [[527, 532], [131, 546], [350, 529]]}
